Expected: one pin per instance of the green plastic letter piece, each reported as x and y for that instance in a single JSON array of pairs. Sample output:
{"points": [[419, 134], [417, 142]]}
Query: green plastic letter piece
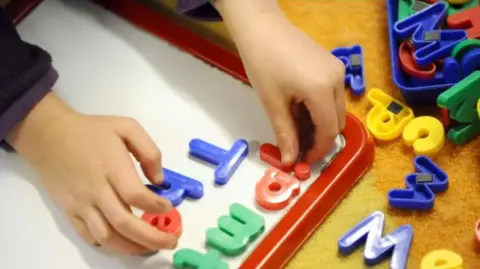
{"points": [[234, 232], [461, 99], [404, 9], [463, 47], [188, 258], [464, 133], [452, 9]]}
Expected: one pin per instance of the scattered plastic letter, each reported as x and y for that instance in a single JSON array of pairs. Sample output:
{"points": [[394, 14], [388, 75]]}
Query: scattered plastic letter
{"points": [[369, 231], [425, 134], [188, 258], [442, 259], [227, 162], [170, 222], [387, 118], [419, 195], [276, 189], [235, 231], [177, 187], [461, 99]]}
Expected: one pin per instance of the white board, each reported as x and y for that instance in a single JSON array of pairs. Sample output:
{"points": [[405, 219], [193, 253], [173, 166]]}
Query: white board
{"points": [[109, 67]]}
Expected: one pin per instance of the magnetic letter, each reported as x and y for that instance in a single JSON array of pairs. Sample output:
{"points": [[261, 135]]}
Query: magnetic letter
{"points": [[170, 222], [188, 258], [227, 162], [176, 187], [276, 189], [442, 259], [425, 134], [370, 231], [234, 232]]}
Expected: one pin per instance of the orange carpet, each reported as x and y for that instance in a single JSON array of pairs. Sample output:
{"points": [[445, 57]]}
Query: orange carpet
{"points": [[450, 225]]}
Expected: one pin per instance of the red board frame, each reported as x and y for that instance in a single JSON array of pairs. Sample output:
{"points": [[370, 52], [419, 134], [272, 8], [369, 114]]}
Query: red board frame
{"points": [[314, 206], [19, 9]]}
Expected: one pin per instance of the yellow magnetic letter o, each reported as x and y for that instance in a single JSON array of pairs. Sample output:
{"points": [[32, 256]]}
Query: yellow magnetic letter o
{"points": [[478, 107], [457, 2], [442, 259], [426, 134]]}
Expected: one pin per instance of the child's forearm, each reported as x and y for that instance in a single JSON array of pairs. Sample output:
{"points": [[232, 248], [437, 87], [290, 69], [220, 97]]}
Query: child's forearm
{"points": [[26, 75], [241, 17]]}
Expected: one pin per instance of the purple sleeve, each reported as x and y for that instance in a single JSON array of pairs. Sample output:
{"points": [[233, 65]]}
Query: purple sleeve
{"points": [[26, 76], [198, 9]]}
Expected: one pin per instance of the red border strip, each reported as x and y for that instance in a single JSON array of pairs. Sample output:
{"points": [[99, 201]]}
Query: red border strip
{"points": [[286, 238], [19, 9], [151, 21]]}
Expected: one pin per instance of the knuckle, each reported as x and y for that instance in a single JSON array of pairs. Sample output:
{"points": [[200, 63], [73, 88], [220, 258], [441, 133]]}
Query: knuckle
{"points": [[153, 157], [135, 197], [131, 123], [105, 237], [120, 223]]}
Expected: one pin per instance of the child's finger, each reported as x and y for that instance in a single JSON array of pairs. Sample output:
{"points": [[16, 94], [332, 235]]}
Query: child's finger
{"points": [[124, 179], [131, 226], [83, 231], [143, 148], [340, 104], [324, 117], [279, 112], [107, 237]]}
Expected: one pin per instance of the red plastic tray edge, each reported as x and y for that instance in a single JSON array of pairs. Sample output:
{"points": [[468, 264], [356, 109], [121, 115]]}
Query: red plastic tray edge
{"points": [[19, 9], [323, 195], [182, 37]]}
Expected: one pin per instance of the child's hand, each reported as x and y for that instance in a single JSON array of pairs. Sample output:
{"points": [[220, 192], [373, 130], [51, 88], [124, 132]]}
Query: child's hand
{"points": [[287, 68], [84, 163]]}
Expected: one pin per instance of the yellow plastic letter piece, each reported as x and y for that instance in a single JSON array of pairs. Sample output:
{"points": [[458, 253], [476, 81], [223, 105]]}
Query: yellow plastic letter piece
{"points": [[442, 259], [426, 134], [478, 107], [387, 118], [458, 2]]}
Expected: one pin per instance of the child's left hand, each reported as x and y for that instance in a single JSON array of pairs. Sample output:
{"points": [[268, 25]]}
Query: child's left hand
{"points": [[287, 68]]}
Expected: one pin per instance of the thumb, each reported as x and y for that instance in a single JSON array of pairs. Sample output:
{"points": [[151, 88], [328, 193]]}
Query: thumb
{"points": [[281, 118]]}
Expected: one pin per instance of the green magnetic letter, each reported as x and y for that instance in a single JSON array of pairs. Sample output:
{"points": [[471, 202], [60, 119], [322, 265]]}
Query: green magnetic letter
{"points": [[235, 231]]}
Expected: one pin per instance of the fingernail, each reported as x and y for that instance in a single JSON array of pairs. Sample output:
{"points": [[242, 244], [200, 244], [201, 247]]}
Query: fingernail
{"points": [[149, 254], [287, 157]]}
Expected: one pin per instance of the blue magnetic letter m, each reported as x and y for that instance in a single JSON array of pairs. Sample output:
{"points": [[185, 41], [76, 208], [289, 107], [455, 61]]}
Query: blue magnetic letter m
{"points": [[369, 231]]}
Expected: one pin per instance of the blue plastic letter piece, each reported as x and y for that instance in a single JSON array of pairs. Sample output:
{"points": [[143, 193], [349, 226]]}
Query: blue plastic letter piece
{"points": [[419, 196], [177, 187], [369, 231], [352, 58], [431, 44], [227, 162], [470, 62]]}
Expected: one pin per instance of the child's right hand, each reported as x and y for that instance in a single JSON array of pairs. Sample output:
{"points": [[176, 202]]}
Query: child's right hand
{"points": [[84, 163]]}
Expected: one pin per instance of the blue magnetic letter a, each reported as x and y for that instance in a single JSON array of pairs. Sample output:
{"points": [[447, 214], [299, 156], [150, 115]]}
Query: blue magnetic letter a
{"points": [[377, 248]]}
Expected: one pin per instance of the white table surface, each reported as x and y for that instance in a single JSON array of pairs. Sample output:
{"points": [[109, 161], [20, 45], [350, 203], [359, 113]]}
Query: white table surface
{"points": [[109, 67]]}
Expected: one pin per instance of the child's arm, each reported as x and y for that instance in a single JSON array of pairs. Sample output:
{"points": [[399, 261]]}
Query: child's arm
{"points": [[287, 69], [26, 76], [83, 161]]}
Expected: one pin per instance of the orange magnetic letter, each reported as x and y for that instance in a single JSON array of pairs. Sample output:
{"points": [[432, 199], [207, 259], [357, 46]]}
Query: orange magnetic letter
{"points": [[170, 222], [276, 189]]}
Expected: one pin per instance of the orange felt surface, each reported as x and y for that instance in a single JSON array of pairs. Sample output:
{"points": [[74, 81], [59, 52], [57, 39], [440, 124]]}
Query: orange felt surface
{"points": [[334, 23], [450, 225]]}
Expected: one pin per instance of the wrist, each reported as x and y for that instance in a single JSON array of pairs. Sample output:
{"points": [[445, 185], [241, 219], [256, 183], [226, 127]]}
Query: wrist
{"points": [[31, 129], [243, 17]]}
